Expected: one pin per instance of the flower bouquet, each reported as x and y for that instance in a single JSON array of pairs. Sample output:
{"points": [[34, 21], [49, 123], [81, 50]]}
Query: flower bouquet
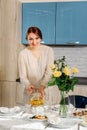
{"points": [[63, 77]]}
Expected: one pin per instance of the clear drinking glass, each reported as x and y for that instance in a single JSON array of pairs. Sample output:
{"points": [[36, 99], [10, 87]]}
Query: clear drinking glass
{"points": [[86, 106], [71, 104]]}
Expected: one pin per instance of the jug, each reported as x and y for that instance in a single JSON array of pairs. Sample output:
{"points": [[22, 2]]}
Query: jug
{"points": [[36, 99]]}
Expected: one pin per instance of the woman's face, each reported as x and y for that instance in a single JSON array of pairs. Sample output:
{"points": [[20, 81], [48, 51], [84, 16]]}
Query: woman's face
{"points": [[34, 40]]}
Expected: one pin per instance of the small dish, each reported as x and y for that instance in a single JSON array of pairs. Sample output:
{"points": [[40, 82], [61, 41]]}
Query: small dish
{"points": [[39, 118]]}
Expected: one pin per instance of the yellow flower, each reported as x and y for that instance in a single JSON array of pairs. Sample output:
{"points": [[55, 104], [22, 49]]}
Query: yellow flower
{"points": [[57, 73], [67, 71], [63, 75], [53, 67], [75, 70]]}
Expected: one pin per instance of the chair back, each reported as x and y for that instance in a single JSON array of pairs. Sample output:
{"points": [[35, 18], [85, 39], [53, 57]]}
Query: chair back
{"points": [[79, 101]]}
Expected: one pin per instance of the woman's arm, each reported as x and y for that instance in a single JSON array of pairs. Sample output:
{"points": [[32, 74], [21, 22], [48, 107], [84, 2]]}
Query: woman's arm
{"points": [[22, 70], [48, 73]]}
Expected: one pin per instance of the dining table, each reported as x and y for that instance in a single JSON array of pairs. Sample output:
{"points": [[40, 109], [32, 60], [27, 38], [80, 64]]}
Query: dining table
{"points": [[20, 118]]}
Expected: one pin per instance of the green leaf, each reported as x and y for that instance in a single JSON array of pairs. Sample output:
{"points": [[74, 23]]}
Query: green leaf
{"points": [[52, 82]]}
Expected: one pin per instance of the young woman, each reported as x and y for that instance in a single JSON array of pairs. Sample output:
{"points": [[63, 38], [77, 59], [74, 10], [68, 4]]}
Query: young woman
{"points": [[35, 64]]}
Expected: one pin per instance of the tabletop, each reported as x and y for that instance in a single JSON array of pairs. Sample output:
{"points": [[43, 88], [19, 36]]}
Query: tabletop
{"points": [[21, 120]]}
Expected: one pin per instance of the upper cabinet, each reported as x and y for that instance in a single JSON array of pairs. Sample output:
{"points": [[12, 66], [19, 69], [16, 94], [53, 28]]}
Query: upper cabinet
{"points": [[60, 22], [41, 15], [71, 23]]}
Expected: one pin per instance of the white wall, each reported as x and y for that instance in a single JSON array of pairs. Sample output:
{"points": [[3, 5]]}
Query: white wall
{"points": [[76, 57]]}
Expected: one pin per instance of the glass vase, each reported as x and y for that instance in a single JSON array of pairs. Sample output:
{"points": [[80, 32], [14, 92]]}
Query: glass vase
{"points": [[63, 110]]}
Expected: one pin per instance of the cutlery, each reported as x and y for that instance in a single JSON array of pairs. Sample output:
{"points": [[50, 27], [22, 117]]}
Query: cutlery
{"points": [[46, 126]]}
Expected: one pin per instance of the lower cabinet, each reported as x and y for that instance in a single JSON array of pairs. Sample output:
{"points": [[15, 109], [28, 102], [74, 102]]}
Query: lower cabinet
{"points": [[11, 94], [19, 93], [0, 95], [8, 94]]}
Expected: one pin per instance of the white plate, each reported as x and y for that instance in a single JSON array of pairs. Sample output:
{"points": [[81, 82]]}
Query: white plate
{"points": [[84, 124], [55, 107], [63, 123]]}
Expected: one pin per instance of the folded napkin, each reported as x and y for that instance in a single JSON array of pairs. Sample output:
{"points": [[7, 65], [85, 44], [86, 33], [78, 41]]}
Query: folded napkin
{"points": [[10, 116], [5, 110]]}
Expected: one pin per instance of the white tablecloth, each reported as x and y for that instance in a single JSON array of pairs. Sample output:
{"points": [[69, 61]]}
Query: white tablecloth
{"points": [[18, 122], [26, 127], [82, 128]]}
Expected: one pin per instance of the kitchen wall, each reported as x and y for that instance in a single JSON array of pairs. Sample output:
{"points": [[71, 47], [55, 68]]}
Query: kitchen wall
{"points": [[10, 45], [76, 57]]}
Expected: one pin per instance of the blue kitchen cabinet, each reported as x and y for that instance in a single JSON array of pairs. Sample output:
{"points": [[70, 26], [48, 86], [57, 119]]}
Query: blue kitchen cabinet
{"points": [[71, 23], [61, 23], [41, 15]]}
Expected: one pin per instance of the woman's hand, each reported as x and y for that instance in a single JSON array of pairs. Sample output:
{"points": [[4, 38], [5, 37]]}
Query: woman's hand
{"points": [[41, 90], [30, 89]]}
